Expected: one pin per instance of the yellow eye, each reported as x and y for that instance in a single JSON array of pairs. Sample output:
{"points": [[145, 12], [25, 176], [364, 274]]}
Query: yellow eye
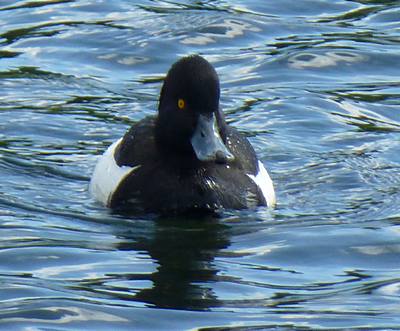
{"points": [[181, 103]]}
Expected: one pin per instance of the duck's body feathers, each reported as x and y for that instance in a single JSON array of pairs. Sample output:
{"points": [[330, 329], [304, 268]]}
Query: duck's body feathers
{"points": [[165, 182]]}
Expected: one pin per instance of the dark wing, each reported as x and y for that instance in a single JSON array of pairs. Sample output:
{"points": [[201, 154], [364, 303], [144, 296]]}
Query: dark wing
{"points": [[240, 147], [245, 156], [138, 144]]}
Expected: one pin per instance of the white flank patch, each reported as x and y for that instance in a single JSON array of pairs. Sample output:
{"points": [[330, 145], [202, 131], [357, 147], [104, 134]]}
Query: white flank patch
{"points": [[107, 175], [264, 182]]}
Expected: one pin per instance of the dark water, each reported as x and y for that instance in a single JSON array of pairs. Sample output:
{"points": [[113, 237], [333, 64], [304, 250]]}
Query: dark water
{"points": [[314, 84]]}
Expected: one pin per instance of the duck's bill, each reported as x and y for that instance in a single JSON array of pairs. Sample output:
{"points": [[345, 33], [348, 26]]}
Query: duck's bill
{"points": [[207, 143]]}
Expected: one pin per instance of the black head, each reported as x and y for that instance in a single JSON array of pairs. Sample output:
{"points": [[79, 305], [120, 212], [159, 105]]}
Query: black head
{"points": [[188, 108], [193, 80]]}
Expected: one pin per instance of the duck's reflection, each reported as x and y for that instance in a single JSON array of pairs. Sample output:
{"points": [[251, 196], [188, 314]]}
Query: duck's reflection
{"points": [[184, 250]]}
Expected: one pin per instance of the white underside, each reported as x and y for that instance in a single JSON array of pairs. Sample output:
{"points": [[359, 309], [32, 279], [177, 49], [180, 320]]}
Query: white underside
{"points": [[264, 182], [107, 175]]}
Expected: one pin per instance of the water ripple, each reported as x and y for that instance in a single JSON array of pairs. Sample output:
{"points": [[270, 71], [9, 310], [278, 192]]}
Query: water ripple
{"points": [[312, 84]]}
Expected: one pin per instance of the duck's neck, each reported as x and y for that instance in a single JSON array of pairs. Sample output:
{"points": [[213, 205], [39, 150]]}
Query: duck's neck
{"points": [[170, 141]]}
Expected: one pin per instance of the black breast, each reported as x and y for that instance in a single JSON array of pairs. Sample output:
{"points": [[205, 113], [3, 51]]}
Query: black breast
{"points": [[174, 183]]}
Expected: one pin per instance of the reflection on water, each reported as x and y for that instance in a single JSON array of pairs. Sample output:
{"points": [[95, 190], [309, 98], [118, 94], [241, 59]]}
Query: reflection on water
{"points": [[309, 60], [184, 255], [226, 29], [313, 84]]}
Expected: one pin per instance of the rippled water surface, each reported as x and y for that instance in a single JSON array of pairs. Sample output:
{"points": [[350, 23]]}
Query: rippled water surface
{"points": [[314, 85]]}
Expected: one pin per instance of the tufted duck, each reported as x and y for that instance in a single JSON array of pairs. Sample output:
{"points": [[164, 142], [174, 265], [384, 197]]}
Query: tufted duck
{"points": [[187, 158]]}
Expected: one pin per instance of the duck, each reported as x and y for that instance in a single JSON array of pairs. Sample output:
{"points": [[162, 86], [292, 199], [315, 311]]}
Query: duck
{"points": [[186, 158]]}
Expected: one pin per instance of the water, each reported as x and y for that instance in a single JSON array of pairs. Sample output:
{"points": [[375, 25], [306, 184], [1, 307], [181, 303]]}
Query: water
{"points": [[314, 85]]}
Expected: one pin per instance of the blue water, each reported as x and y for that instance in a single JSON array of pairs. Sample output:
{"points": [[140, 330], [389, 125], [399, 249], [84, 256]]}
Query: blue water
{"points": [[314, 84]]}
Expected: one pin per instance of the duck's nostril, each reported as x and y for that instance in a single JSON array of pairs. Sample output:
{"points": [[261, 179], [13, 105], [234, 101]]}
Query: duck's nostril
{"points": [[220, 157]]}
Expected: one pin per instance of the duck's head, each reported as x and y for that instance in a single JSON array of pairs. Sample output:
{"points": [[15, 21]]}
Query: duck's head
{"points": [[189, 119]]}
